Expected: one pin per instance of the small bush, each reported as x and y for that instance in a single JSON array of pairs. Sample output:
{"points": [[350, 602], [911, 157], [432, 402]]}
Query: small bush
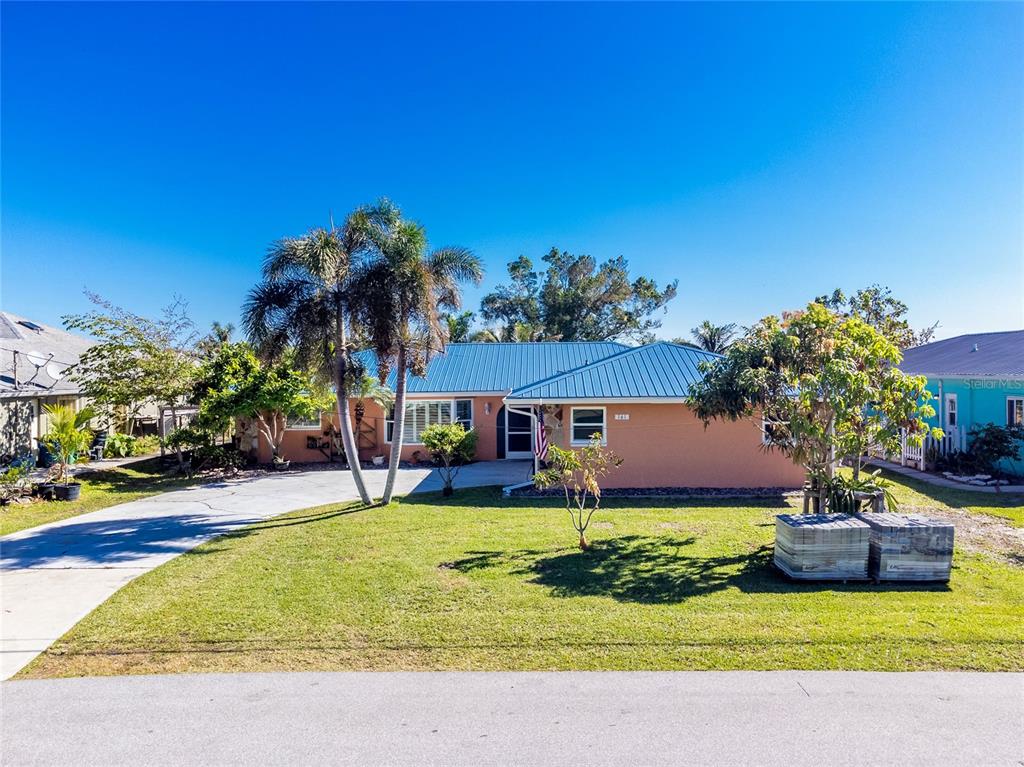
{"points": [[147, 445], [842, 491], [991, 444], [119, 446], [451, 447], [13, 483]]}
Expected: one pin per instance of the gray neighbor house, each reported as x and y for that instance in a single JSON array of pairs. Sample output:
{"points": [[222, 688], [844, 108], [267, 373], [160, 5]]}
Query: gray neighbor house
{"points": [[34, 359]]}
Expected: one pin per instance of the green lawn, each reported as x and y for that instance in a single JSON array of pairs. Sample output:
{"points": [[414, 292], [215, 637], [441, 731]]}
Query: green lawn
{"points": [[920, 495], [99, 490], [476, 582]]}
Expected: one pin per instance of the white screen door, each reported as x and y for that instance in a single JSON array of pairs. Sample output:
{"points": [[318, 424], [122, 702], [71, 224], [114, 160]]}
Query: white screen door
{"points": [[518, 435]]}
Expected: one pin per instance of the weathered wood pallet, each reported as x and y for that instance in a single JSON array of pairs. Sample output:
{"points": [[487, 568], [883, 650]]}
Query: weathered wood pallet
{"points": [[822, 546], [909, 547]]}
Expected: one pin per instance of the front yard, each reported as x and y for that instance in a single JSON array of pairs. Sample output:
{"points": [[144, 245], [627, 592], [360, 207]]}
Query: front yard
{"points": [[477, 582], [100, 489]]}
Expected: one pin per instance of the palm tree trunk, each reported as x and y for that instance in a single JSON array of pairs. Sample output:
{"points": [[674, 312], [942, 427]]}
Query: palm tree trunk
{"points": [[345, 412], [398, 430]]}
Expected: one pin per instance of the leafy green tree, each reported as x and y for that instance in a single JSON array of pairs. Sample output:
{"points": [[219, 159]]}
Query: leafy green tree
{"points": [[234, 384], [827, 385], [69, 435], [575, 299], [403, 291], [713, 338], [578, 473], [304, 304], [136, 361], [458, 326], [879, 308], [518, 301], [451, 447]]}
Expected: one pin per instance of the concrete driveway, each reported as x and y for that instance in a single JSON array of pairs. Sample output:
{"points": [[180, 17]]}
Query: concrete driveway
{"points": [[786, 718], [52, 576]]}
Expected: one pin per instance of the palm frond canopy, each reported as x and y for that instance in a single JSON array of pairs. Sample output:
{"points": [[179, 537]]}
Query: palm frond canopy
{"points": [[403, 290]]}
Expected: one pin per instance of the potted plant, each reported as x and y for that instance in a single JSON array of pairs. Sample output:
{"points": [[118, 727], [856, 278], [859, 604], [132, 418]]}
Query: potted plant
{"points": [[68, 436], [281, 463]]}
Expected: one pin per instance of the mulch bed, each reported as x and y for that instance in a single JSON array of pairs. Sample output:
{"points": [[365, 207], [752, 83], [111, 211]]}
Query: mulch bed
{"points": [[672, 492]]}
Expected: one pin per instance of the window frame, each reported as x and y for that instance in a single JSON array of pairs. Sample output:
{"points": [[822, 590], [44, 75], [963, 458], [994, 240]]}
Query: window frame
{"points": [[1012, 399], [289, 426], [389, 423], [951, 397], [765, 422], [573, 442]]}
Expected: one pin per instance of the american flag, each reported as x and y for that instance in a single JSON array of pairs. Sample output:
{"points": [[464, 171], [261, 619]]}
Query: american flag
{"points": [[540, 446]]}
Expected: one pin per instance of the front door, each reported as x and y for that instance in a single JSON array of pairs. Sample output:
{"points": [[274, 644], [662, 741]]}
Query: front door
{"points": [[518, 435]]}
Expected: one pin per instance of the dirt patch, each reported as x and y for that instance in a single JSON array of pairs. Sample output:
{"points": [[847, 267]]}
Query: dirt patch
{"points": [[979, 532]]}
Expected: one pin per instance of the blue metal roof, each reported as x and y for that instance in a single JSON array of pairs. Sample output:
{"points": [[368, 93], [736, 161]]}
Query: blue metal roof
{"points": [[482, 367], [661, 370]]}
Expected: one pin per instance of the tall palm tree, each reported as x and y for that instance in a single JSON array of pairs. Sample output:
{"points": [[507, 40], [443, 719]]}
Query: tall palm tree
{"points": [[403, 292], [714, 338], [304, 304]]}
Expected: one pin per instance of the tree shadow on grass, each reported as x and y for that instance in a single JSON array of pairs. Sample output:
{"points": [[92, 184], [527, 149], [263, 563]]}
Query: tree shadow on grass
{"points": [[134, 541], [656, 570]]}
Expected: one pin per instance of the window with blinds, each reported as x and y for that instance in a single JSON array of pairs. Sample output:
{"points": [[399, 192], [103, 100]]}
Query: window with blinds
{"points": [[423, 413]]}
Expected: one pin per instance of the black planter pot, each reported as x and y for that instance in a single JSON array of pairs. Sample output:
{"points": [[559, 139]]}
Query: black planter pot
{"points": [[46, 490], [282, 465], [69, 492]]}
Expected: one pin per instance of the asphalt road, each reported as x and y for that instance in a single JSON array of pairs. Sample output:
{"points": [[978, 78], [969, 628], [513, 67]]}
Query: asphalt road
{"points": [[709, 718]]}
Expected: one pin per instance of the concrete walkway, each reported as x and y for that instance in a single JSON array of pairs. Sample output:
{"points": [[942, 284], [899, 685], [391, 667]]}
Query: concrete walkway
{"points": [[573, 718], [933, 479], [52, 576], [38, 474]]}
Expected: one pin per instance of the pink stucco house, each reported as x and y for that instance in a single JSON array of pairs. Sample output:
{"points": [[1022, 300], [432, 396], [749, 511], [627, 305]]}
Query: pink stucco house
{"points": [[634, 396]]}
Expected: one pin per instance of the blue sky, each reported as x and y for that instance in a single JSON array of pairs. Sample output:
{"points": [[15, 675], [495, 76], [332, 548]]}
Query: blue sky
{"points": [[762, 154]]}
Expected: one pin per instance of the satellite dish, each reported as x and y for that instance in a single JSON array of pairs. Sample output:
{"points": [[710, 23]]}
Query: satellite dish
{"points": [[36, 358], [54, 371]]}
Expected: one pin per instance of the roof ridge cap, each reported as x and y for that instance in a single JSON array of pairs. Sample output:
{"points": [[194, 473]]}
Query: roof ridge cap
{"points": [[573, 371]]}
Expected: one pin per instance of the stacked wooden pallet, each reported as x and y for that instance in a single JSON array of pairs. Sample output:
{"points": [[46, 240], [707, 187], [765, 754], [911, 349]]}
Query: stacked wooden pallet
{"points": [[906, 547], [822, 546]]}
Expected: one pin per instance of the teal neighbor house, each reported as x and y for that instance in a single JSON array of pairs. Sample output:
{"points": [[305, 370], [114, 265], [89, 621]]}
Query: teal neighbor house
{"points": [[977, 379]]}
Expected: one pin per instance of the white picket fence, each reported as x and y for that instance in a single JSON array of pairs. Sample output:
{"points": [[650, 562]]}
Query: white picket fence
{"points": [[952, 440]]}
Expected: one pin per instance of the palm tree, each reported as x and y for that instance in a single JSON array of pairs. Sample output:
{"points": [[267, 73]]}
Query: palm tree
{"points": [[714, 338], [404, 291], [517, 332], [304, 303], [458, 326]]}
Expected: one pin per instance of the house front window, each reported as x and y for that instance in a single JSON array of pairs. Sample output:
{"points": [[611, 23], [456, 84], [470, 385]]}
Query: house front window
{"points": [[420, 414], [1015, 411], [304, 422], [586, 422]]}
